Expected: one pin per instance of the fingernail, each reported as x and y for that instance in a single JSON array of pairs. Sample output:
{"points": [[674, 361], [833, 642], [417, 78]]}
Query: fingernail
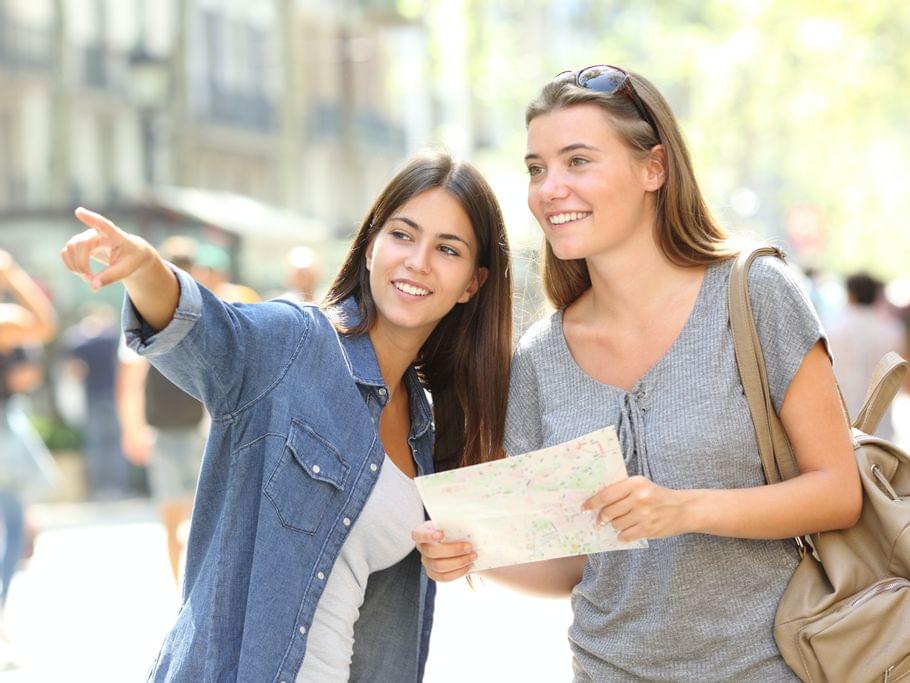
{"points": [[473, 556]]}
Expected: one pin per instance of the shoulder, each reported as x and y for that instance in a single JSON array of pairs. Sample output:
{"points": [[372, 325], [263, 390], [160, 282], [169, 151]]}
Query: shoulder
{"points": [[769, 275], [542, 336]]}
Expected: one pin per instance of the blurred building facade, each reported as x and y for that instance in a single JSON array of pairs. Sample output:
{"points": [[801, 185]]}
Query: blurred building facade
{"points": [[293, 103]]}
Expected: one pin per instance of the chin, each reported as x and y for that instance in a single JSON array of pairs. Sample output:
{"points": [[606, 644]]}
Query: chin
{"points": [[569, 252]]}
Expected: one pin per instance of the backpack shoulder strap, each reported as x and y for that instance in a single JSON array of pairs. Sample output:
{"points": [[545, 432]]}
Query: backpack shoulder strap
{"points": [[886, 380], [773, 445]]}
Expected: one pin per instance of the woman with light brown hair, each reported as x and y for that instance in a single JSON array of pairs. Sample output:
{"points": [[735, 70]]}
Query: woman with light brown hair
{"points": [[637, 269]]}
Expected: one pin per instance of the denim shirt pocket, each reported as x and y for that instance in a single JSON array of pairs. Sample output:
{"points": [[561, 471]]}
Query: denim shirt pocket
{"points": [[308, 475]]}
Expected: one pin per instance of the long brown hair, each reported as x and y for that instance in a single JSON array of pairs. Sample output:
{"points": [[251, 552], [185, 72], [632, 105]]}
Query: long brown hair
{"points": [[687, 232], [465, 361]]}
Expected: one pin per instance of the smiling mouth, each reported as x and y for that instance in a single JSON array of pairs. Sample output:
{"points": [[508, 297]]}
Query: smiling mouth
{"points": [[411, 289], [568, 217]]}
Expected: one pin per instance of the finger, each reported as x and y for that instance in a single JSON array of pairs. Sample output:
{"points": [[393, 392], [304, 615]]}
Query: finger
{"points": [[77, 251], [427, 533], [450, 564], [99, 222], [449, 576], [444, 550], [633, 533], [608, 495], [624, 522], [611, 512], [113, 273], [84, 253]]}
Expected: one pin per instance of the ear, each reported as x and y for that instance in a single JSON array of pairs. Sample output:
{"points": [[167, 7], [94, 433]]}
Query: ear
{"points": [[477, 281], [655, 168], [368, 254]]}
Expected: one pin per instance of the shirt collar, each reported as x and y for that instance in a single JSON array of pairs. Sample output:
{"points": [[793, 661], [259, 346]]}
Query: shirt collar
{"points": [[364, 368]]}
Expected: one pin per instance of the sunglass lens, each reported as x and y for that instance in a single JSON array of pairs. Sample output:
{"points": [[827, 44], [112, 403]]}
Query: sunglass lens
{"points": [[603, 79]]}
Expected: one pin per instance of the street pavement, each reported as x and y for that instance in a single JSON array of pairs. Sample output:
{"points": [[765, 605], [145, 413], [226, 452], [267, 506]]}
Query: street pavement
{"points": [[95, 600]]}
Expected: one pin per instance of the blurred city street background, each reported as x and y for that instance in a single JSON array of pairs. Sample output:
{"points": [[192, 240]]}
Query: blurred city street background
{"points": [[258, 132]]}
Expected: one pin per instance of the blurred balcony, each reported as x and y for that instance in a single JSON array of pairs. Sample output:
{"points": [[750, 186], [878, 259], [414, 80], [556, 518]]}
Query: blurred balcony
{"points": [[370, 128], [24, 48], [250, 110]]}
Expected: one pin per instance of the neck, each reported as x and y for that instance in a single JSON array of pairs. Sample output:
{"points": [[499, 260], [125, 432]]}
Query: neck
{"points": [[633, 280], [394, 353]]}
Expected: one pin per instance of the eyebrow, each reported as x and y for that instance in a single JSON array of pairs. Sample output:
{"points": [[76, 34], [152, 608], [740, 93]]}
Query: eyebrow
{"points": [[442, 236], [564, 150]]}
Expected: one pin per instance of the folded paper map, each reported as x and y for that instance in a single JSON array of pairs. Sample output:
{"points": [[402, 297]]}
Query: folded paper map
{"points": [[528, 508]]}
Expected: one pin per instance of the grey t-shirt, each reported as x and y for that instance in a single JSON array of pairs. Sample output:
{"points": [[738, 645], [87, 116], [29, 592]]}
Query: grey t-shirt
{"points": [[693, 606]]}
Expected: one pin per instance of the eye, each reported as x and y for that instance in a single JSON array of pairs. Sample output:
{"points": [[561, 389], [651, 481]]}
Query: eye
{"points": [[535, 170], [400, 234], [448, 251], [577, 161]]}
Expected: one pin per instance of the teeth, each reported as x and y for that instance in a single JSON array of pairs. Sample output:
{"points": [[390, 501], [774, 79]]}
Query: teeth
{"points": [[410, 289], [561, 218]]}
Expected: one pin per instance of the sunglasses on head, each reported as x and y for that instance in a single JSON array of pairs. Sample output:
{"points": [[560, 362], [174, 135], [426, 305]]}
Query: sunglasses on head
{"points": [[609, 80]]}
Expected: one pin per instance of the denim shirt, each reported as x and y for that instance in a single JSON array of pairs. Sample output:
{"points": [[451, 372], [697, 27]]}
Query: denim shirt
{"points": [[292, 455]]}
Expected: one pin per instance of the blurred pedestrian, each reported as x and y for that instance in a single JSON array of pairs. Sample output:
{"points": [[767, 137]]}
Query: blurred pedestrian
{"points": [[859, 336], [300, 565], [637, 269], [212, 270], [303, 275], [163, 427], [89, 350], [27, 320]]}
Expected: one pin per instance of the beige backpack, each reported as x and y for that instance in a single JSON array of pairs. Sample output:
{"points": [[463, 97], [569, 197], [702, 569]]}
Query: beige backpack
{"points": [[845, 615]]}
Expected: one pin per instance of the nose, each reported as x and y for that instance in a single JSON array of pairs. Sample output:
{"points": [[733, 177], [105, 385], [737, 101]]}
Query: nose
{"points": [[553, 186], [418, 259]]}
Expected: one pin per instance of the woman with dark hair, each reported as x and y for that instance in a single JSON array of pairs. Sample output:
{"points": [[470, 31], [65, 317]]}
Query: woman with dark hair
{"points": [[300, 563], [637, 269]]}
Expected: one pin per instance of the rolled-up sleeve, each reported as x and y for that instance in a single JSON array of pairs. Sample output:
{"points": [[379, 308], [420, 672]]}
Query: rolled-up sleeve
{"points": [[226, 355], [144, 340]]}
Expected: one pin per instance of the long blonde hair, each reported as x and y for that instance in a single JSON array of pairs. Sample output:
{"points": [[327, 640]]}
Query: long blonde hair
{"points": [[687, 232]]}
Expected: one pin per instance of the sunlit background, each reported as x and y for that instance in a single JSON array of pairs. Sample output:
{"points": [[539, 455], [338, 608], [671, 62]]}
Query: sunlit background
{"points": [[255, 127]]}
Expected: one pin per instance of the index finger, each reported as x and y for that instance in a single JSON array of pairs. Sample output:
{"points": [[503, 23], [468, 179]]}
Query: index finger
{"points": [[609, 494], [427, 533], [95, 220]]}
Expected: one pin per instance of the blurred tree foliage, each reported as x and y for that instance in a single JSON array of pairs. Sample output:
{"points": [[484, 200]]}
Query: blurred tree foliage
{"points": [[795, 104]]}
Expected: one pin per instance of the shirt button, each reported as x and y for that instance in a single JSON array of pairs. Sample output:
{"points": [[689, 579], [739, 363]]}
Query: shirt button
{"points": [[302, 630], [320, 576], [315, 469], [382, 391], [346, 521], [373, 467]]}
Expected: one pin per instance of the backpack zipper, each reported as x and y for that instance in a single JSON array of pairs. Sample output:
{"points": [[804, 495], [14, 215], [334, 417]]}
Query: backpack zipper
{"points": [[881, 588]]}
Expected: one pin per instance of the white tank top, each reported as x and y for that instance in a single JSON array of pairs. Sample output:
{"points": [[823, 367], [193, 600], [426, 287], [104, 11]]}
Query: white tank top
{"points": [[379, 539]]}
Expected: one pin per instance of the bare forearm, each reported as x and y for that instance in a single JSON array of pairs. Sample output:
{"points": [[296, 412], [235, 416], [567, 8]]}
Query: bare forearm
{"points": [[812, 502], [548, 578], [31, 297], [154, 292]]}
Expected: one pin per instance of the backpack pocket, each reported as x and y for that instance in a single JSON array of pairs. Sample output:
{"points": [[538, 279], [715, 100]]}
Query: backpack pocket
{"points": [[309, 474], [859, 638]]}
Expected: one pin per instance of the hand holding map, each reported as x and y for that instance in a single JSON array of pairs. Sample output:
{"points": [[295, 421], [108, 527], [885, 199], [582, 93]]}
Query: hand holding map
{"points": [[528, 508]]}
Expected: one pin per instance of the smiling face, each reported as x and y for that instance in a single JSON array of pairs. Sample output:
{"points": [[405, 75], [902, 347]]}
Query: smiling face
{"points": [[587, 190], [422, 263]]}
